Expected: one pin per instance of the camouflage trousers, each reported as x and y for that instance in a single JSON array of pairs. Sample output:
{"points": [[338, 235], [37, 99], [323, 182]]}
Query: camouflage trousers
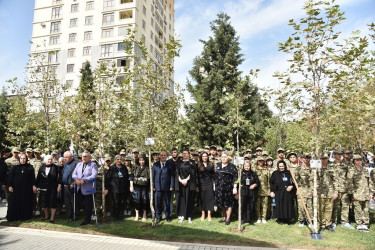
{"points": [[361, 213], [344, 201], [301, 212], [261, 207], [325, 211]]}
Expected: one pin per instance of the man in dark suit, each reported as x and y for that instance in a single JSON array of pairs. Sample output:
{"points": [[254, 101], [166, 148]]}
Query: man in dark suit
{"points": [[83, 174], [163, 180], [68, 183]]}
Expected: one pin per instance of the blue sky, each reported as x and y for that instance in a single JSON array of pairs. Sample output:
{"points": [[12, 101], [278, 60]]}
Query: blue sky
{"points": [[261, 24]]}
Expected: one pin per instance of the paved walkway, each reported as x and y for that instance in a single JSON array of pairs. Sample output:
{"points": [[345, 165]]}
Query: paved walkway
{"points": [[26, 238]]}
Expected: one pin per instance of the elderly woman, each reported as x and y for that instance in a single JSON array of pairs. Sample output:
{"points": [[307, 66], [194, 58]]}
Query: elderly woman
{"points": [[49, 184], [225, 177], [249, 191], [140, 187], [282, 188], [21, 182], [60, 195], [117, 182], [206, 173]]}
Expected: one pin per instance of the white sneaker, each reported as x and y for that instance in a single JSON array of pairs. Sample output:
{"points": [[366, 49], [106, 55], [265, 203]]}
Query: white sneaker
{"points": [[37, 213], [360, 227], [189, 220], [93, 217], [108, 214], [259, 221], [264, 221], [333, 225], [301, 224], [181, 219], [365, 228], [125, 212], [347, 225], [4, 201], [215, 208]]}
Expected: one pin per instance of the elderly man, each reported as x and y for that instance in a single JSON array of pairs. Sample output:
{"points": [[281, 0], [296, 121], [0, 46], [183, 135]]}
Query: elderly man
{"points": [[83, 175], [68, 183]]}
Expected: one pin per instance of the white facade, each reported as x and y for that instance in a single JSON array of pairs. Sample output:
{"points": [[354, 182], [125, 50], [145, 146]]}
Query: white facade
{"points": [[93, 30]]}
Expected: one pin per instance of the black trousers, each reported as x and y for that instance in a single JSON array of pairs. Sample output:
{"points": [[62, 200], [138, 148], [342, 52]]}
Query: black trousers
{"points": [[68, 201], [248, 204], [89, 205], [118, 201], [166, 197]]}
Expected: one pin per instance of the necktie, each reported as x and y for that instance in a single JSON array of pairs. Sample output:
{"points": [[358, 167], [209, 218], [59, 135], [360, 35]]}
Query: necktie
{"points": [[162, 165], [83, 168]]}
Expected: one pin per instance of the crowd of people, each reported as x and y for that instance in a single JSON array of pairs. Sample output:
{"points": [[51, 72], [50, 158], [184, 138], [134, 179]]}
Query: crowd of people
{"points": [[280, 189]]}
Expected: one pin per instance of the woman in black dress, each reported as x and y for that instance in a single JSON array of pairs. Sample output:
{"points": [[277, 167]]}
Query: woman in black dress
{"points": [[282, 188], [117, 182], [21, 182], [249, 192], [187, 183], [225, 177], [206, 173], [49, 184], [140, 187]]}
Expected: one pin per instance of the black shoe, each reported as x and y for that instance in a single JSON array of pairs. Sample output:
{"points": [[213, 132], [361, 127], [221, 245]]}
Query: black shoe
{"points": [[330, 228], [85, 223], [45, 218], [221, 221], [52, 221], [158, 221], [169, 220], [227, 223], [280, 222], [242, 222], [322, 229]]}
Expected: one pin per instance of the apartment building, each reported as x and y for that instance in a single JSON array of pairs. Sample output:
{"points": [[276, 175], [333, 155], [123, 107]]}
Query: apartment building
{"points": [[94, 30]]}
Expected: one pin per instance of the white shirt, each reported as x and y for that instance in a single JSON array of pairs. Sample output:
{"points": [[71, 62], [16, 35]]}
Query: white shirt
{"points": [[47, 170]]}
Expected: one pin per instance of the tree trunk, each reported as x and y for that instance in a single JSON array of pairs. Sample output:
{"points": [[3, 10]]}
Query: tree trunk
{"points": [[151, 188]]}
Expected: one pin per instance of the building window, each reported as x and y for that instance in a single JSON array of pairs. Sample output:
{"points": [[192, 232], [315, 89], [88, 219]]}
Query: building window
{"points": [[68, 84], [144, 10], [73, 22], [87, 51], [56, 12], [57, 2], [143, 24], [126, 14], [87, 35], [152, 36], [158, 57], [54, 40], [70, 68], [151, 49], [55, 27], [170, 27], [122, 31], [126, 1], [121, 46], [109, 4], [121, 63], [107, 33], [152, 22], [88, 20], [71, 52], [107, 50], [72, 37], [53, 57], [143, 39], [74, 7], [90, 5], [108, 19]]}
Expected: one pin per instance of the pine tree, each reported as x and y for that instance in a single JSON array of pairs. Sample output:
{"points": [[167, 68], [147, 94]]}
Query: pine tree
{"points": [[4, 110], [215, 73]]}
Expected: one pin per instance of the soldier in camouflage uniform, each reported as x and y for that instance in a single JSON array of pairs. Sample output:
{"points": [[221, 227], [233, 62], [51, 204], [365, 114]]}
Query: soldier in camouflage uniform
{"points": [[29, 154], [265, 155], [281, 156], [270, 208], [219, 152], [292, 157], [213, 157], [305, 180], [11, 162], [55, 159], [135, 153], [341, 172], [36, 162], [327, 192], [346, 160], [372, 187], [263, 191], [359, 184]]}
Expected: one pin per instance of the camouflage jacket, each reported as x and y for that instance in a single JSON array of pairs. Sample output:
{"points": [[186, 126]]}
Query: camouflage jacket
{"points": [[327, 184], [36, 164], [11, 162], [341, 172], [264, 178], [293, 168], [359, 184], [214, 160], [305, 180], [372, 181]]}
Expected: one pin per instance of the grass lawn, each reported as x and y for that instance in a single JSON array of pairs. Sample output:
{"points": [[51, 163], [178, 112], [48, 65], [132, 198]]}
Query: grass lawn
{"points": [[263, 235]]}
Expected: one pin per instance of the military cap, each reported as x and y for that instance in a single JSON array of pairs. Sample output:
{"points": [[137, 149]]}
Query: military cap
{"points": [[213, 146], [193, 149], [357, 157], [200, 150], [29, 150], [269, 158], [155, 153], [135, 150], [258, 149], [15, 150], [306, 154], [107, 158], [324, 155], [219, 148], [248, 150], [291, 153], [280, 150], [206, 147], [127, 158], [260, 158], [347, 151], [195, 153], [247, 156], [36, 150], [123, 152], [54, 152], [337, 151], [265, 153]]}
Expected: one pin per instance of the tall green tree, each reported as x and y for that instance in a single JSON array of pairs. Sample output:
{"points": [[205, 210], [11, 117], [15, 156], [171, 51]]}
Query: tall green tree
{"points": [[4, 110], [215, 75]]}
